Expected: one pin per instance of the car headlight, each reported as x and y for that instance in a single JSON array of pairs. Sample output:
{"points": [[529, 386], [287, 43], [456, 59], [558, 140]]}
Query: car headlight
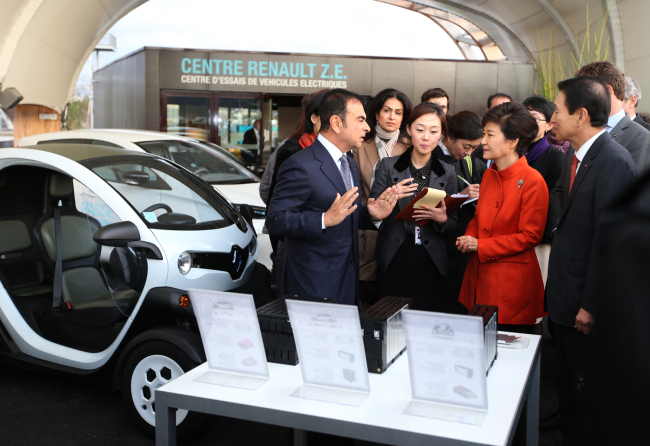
{"points": [[184, 262], [252, 246]]}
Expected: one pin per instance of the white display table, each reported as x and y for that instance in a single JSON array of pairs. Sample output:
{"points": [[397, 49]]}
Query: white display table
{"points": [[514, 377]]}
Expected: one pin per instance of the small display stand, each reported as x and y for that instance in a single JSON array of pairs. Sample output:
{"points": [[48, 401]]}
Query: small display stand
{"points": [[276, 330], [231, 338], [330, 346], [447, 366]]}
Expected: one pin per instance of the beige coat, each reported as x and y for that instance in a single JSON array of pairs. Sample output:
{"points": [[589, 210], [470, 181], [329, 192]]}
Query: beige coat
{"points": [[366, 157]]}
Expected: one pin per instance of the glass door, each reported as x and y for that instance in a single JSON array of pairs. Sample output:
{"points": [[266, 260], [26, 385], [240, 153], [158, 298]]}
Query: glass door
{"points": [[240, 122], [189, 116]]}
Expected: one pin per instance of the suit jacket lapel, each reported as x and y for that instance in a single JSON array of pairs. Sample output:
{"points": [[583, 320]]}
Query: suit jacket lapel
{"points": [[618, 131], [329, 169], [584, 169]]}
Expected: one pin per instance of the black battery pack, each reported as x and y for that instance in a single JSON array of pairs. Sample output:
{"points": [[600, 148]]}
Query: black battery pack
{"points": [[383, 332]]}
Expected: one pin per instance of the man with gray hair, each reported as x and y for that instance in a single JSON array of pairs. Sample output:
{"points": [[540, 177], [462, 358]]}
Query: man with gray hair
{"points": [[632, 99]]}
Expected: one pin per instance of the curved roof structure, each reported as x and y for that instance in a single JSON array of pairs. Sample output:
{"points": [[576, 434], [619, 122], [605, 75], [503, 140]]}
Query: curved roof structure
{"points": [[45, 43]]}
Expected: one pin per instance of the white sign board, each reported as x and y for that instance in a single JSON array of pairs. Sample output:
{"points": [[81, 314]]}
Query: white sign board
{"points": [[330, 347], [446, 364], [231, 337]]}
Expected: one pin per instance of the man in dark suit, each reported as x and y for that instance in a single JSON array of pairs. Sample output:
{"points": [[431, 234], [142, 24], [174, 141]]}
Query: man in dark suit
{"points": [[631, 101], [592, 175], [317, 209], [619, 390], [620, 126], [252, 136]]}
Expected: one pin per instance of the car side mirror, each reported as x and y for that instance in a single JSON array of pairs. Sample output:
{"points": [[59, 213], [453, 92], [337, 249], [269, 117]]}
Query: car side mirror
{"points": [[125, 234], [246, 211], [117, 234]]}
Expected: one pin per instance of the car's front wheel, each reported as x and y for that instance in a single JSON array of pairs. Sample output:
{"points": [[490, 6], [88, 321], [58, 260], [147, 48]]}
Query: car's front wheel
{"points": [[150, 366]]}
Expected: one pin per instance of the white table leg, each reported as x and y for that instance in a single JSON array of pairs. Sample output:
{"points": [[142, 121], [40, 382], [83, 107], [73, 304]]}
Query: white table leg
{"points": [[165, 422]]}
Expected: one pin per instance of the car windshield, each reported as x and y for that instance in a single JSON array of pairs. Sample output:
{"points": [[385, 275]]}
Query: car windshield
{"points": [[211, 166], [165, 196]]}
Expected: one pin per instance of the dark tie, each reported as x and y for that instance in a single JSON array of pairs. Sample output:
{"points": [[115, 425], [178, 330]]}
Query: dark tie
{"points": [[574, 167], [345, 172]]}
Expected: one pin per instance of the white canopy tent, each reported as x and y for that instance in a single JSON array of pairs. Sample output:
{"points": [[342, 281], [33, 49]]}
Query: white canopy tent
{"points": [[45, 43]]}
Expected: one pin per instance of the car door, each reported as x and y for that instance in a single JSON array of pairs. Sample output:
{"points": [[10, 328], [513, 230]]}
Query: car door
{"points": [[101, 205]]}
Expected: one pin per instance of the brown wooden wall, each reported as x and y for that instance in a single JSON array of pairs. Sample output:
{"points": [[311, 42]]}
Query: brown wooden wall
{"points": [[27, 122]]}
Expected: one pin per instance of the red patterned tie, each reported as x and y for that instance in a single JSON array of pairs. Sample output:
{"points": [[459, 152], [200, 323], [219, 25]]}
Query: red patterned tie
{"points": [[574, 167]]}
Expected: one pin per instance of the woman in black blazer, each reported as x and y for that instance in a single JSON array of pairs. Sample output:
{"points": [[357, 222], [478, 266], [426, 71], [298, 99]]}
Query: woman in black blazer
{"points": [[411, 259]]}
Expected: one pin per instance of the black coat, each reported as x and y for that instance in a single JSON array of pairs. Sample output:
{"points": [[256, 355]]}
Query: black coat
{"points": [[466, 212], [549, 164], [391, 171], [619, 389], [606, 169], [639, 120], [250, 137]]}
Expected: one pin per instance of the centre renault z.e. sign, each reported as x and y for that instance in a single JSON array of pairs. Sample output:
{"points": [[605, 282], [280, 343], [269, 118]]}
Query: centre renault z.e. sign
{"points": [[257, 72]]}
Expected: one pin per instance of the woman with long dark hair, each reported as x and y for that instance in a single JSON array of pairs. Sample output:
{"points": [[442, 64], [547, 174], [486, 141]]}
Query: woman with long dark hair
{"points": [[411, 257], [508, 224], [387, 116], [464, 135]]}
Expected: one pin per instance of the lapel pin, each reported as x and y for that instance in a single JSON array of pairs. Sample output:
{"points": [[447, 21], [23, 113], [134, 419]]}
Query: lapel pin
{"points": [[520, 183]]}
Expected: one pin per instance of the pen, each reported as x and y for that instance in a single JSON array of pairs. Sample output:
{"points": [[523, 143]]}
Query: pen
{"points": [[463, 180]]}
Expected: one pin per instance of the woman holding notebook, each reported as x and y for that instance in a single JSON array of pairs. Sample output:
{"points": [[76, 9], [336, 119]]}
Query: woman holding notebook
{"points": [[411, 256], [509, 222]]}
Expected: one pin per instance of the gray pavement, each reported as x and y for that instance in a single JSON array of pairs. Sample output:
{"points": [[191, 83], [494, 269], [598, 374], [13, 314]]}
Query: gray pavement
{"points": [[43, 409]]}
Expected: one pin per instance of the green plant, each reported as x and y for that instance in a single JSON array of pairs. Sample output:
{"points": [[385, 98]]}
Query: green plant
{"points": [[550, 68], [78, 111]]}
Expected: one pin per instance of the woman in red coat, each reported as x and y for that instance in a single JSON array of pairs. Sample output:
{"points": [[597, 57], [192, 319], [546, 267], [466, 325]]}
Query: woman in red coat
{"points": [[509, 222]]}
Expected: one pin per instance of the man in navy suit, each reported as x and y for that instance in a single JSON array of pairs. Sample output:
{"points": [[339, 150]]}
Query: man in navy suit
{"points": [[317, 209]]}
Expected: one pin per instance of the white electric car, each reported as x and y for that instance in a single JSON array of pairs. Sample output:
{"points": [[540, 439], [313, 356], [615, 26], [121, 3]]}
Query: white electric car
{"points": [[98, 247], [230, 178]]}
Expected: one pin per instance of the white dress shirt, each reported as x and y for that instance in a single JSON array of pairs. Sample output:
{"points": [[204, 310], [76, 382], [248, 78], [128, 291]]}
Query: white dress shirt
{"points": [[580, 153], [614, 120], [336, 155]]}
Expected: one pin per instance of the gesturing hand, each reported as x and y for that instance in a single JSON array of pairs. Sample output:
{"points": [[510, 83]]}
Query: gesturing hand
{"points": [[383, 206], [467, 244], [341, 208], [405, 190], [584, 321], [471, 190]]}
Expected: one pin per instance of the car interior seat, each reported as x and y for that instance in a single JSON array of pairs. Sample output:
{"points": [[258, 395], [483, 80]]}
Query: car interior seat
{"points": [[21, 270], [82, 284]]}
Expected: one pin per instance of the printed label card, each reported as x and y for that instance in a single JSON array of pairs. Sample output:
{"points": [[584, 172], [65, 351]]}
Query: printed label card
{"points": [[330, 347], [446, 365], [231, 337]]}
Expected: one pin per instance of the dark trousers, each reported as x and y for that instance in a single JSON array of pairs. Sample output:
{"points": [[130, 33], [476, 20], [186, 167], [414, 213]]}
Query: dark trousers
{"points": [[413, 274], [572, 347]]}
